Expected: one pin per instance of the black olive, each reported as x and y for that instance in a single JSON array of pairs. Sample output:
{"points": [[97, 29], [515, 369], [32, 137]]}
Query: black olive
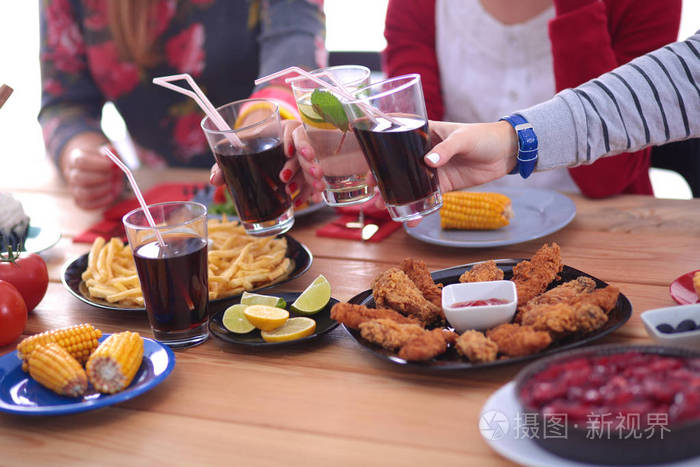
{"points": [[686, 325], [665, 328]]}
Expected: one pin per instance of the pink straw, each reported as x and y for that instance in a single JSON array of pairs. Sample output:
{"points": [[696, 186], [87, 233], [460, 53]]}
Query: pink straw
{"points": [[201, 99], [105, 150], [338, 89]]}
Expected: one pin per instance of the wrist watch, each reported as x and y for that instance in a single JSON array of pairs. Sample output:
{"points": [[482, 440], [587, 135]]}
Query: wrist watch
{"points": [[526, 159]]}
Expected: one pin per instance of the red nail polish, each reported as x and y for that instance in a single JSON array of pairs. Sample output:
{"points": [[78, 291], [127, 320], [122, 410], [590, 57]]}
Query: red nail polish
{"points": [[290, 149], [298, 202], [286, 175], [315, 171], [292, 187], [306, 153]]}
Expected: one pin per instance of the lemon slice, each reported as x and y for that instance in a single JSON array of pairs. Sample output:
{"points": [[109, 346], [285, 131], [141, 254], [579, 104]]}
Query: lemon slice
{"points": [[235, 321], [311, 118], [266, 318], [314, 298], [293, 329], [257, 299]]}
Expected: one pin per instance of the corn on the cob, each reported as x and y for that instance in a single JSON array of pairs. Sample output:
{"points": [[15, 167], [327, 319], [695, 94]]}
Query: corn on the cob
{"points": [[79, 341], [475, 211], [696, 283], [112, 366], [53, 367]]}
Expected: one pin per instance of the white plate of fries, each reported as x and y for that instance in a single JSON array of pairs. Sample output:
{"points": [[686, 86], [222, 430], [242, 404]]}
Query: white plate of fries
{"points": [[106, 277], [536, 213]]}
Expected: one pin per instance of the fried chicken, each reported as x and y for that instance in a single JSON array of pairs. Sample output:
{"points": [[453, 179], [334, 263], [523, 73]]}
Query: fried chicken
{"points": [[418, 272], [426, 346], [482, 272], [413, 342], [389, 334], [515, 340], [532, 277], [560, 319], [477, 347], [352, 315], [394, 289], [568, 292], [605, 298]]}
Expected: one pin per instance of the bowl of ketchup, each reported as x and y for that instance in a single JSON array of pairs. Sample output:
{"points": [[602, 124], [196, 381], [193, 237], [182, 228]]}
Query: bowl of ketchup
{"points": [[479, 305]]}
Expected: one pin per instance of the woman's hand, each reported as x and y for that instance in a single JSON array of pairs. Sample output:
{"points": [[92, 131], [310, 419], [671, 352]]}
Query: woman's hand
{"points": [[468, 154], [94, 181]]}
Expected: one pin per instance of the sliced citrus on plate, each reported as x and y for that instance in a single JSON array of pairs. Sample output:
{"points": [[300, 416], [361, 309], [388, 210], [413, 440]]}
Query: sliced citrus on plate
{"points": [[235, 321], [314, 298], [293, 329], [258, 299], [266, 318]]}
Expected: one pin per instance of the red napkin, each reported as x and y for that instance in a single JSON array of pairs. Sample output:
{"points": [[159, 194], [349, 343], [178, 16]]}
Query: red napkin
{"points": [[373, 215], [111, 223]]}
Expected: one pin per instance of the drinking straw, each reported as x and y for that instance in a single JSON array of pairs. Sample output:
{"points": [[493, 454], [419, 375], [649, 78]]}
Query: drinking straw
{"points": [[5, 92], [130, 176], [338, 89], [201, 99]]}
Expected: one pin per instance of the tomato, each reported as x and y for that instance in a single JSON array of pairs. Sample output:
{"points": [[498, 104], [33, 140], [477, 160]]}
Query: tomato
{"points": [[13, 313], [28, 273]]}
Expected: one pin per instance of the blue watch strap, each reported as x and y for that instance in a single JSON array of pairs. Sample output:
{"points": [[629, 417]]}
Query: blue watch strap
{"points": [[527, 145]]}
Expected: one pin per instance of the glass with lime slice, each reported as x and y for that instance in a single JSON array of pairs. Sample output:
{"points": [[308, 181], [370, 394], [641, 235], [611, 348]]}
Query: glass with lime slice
{"points": [[337, 151]]}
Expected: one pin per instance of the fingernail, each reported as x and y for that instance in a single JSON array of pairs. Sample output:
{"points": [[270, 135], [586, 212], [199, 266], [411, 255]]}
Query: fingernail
{"points": [[290, 149], [433, 157], [292, 187], [211, 178], [319, 186], [298, 202], [286, 175], [306, 152], [315, 171]]}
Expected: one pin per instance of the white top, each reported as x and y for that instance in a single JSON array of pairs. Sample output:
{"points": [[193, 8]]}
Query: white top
{"points": [[489, 70]]}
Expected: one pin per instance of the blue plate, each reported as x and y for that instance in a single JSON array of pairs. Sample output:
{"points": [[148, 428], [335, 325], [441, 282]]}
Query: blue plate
{"points": [[537, 213], [20, 394]]}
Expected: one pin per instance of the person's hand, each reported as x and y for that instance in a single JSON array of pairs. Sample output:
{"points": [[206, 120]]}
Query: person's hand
{"points": [[471, 154], [94, 181]]}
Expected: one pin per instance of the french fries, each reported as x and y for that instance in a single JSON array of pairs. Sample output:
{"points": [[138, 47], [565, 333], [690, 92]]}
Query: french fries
{"points": [[237, 262]]}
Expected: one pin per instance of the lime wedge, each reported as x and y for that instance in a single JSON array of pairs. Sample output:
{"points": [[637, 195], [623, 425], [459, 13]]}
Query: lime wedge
{"points": [[310, 117], [235, 321], [258, 299], [314, 298], [294, 328]]}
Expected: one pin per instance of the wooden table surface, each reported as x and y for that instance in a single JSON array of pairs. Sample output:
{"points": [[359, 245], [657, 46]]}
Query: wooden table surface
{"points": [[331, 401]]}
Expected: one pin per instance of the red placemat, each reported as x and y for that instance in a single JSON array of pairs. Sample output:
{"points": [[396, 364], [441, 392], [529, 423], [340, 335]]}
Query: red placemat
{"points": [[373, 215], [111, 223]]}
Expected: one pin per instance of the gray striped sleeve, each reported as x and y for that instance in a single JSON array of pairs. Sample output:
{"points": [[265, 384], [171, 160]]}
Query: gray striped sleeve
{"points": [[652, 100]]}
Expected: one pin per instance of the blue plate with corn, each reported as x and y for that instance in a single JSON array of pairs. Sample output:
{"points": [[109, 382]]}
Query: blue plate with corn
{"points": [[119, 367]]}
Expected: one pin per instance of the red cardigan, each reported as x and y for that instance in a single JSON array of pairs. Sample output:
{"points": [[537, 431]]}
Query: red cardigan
{"points": [[589, 37]]}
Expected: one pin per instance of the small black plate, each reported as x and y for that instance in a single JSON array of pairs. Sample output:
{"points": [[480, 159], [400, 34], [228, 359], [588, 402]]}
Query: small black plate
{"points": [[71, 277], [451, 360], [324, 323]]}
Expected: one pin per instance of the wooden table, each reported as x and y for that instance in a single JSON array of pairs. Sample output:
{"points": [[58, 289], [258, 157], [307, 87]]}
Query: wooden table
{"points": [[329, 402]]}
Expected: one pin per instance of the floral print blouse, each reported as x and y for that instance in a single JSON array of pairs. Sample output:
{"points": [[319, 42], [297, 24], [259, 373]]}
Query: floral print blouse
{"points": [[224, 44]]}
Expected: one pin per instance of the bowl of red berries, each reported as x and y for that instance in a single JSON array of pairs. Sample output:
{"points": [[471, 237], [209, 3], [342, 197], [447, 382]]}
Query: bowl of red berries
{"points": [[615, 404]]}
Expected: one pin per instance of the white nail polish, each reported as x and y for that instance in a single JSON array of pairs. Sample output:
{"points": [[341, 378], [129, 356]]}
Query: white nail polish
{"points": [[433, 157]]}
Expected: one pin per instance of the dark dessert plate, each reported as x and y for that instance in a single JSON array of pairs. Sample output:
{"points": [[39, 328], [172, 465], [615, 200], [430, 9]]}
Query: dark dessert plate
{"points": [[71, 277], [324, 323], [451, 360]]}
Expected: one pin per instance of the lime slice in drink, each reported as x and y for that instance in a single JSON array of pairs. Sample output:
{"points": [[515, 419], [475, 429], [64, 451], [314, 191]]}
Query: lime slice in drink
{"points": [[235, 321], [314, 298], [257, 299], [311, 118], [294, 328]]}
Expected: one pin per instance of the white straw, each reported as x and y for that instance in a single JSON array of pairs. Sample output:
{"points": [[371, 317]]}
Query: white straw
{"points": [[201, 99], [338, 89], [105, 150]]}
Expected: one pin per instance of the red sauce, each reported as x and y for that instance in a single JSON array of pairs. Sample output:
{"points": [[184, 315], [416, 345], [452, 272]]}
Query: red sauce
{"points": [[488, 301]]}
